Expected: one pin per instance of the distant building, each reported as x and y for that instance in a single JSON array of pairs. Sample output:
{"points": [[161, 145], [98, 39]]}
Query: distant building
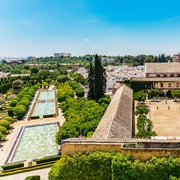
{"points": [[106, 59], [31, 58], [164, 76], [176, 57], [13, 62], [62, 54]]}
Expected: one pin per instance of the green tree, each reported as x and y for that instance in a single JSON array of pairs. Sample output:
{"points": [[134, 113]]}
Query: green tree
{"points": [[153, 92], [9, 119], [5, 123], [3, 130], [141, 109], [175, 93], [17, 85], [140, 96], [98, 81], [1, 136], [19, 111], [62, 78], [91, 94]]}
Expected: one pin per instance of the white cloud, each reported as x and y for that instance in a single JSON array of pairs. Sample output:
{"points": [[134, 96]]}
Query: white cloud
{"points": [[86, 40]]}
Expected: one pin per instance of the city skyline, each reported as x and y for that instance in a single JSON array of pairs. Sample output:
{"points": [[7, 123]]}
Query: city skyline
{"points": [[79, 27]]}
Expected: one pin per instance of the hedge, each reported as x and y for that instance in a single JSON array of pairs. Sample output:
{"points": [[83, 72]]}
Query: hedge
{"points": [[48, 159], [5, 123], [3, 130], [12, 166], [35, 177]]}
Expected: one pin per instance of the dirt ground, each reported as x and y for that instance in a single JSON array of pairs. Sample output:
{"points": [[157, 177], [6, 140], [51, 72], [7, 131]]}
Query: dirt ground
{"points": [[165, 116]]}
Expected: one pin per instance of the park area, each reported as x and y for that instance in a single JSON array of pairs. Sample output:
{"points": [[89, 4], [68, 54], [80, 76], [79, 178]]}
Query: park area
{"points": [[165, 116]]}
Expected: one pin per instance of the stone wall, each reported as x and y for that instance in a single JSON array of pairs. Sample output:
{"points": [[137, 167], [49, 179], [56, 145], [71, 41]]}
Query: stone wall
{"points": [[171, 148]]}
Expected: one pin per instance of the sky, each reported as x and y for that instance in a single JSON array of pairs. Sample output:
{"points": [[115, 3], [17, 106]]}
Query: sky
{"points": [[80, 27]]}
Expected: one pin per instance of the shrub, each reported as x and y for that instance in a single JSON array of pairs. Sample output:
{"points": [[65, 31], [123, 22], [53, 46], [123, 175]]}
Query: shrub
{"points": [[12, 166], [141, 109], [24, 102], [5, 123], [35, 177], [13, 103], [9, 119], [47, 159], [3, 130], [79, 92], [19, 111], [1, 136], [10, 112]]}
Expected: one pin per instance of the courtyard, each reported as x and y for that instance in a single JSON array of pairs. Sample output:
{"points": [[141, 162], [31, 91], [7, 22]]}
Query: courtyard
{"points": [[165, 116]]}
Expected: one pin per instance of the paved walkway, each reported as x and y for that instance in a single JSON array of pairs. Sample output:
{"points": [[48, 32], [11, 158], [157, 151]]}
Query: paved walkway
{"points": [[7, 145], [21, 176]]}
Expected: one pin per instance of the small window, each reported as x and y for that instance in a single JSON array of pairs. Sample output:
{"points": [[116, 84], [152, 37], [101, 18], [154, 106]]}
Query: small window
{"points": [[169, 84], [177, 84], [161, 84]]}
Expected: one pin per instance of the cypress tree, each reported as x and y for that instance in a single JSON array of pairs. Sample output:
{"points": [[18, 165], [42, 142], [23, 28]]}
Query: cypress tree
{"points": [[91, 83], [97, 80]]}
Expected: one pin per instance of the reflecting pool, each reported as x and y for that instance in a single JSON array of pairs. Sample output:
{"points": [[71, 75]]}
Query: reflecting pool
{"points": [[36, 141]]}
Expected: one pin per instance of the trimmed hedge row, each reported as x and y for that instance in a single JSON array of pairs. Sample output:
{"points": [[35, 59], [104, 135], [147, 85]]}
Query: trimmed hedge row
{"points": [[48, 159], [13, 166], [26, 169], [36, 177], [19, 167]]}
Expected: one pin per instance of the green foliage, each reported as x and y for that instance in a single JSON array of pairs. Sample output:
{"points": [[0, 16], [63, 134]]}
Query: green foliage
{"points": [[140, 96], [144, 127], [62, 78], [10, 112], [91, 94], [155, 168], [5, 123], [153, 92], [82, 116], [141, 109], [3, 129], [105, 165], [19, 111], [140, 85], [104, 101], [78, 78], [12, 166], [91, 165], [13, 102], [98, 78], [17, 85], [35, 177], [9, 119], [1, 135], [48, 159], [79, 92], [175, 93], [45, 84], [24, 102], [64, 91]]}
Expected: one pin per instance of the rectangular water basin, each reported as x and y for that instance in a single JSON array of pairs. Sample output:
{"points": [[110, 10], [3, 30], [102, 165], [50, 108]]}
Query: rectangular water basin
{"points": [[36, 141], [44, 109], [47, 95]]}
